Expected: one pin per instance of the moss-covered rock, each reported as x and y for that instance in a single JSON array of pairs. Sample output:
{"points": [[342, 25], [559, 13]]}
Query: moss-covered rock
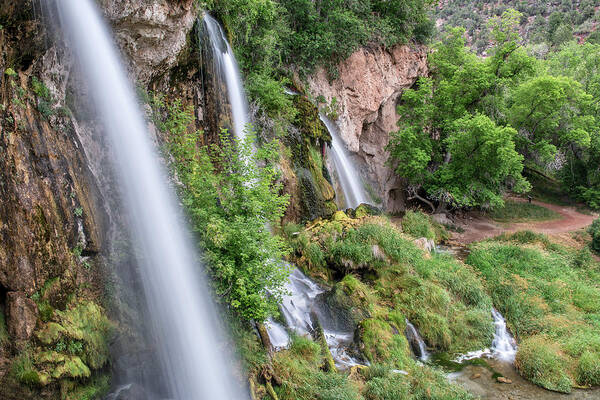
{"points": [[308, 120]]}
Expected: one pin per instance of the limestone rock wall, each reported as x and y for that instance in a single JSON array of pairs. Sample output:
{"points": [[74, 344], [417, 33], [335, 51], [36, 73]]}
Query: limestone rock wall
{"points": [[368, 87]]}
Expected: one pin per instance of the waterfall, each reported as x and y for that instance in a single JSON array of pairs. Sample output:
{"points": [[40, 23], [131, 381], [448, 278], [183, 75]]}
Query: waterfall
{"points": [[416, 342], [504, 346], [226, 66], [191, 344], [298, 309], [348, 177]]}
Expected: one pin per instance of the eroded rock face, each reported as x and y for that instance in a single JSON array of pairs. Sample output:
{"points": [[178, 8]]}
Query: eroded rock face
{"points": [[21, 313], [369, 85], [152, 33]]}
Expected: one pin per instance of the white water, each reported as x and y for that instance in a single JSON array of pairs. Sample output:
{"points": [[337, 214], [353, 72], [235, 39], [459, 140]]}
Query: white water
{"points": [[348, 176], [190, 344], [297, 310], [504, 346], [413, 336], [226, 65]]}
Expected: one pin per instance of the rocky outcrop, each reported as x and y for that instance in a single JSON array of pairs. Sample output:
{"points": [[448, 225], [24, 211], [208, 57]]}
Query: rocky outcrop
{"points": [[152, 33], [367, 90]]}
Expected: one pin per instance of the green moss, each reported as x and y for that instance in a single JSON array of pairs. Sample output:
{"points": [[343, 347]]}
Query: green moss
{"points": [[94, 390], [308, 120], [62, 365]]}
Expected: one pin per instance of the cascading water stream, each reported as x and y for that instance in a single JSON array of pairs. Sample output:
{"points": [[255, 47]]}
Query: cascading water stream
{"points": [[226, 66], [416, 342], [298, 310], [348, 176], [191, 344], [504, 346]]}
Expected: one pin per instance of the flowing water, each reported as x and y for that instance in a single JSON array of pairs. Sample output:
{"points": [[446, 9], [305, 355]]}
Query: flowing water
{"points": [[348, 177], [226, 66], [299, 309], [504, 346], [191, 344], [416, 342]]}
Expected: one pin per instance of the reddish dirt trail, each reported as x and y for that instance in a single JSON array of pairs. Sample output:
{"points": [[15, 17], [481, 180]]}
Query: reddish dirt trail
{"points": [[479, 227]]}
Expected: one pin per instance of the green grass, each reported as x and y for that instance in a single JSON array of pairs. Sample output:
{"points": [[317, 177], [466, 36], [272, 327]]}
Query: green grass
{"points": [[385, 275], [550, 296], [517, 211]]}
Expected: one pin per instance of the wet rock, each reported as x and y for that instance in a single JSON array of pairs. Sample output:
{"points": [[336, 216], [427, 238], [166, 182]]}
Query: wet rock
{"points": [[21, 315], [502, 379]]}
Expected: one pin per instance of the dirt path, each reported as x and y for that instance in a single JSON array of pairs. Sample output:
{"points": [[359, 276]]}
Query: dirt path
{"points": [[478, 227]]}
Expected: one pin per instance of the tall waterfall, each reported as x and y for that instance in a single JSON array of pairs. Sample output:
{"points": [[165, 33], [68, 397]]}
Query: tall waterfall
{"points": [[228, 70], [190, 340], [348, 176]]}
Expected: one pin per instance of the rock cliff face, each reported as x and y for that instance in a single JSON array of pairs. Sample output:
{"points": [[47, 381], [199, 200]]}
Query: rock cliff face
{"points": [[56, 201], [367, 90]]}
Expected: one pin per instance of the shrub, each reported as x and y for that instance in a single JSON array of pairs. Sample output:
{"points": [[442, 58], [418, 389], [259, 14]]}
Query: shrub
{"points": [[594, 230], [231, 201], [418, 225]]}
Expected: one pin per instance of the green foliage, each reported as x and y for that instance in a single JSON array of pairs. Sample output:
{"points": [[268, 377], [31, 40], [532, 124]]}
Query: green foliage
{"points": [[231, 201], [44, 98], [550, 298], [418, 225], [519, 211], [448, 146], [24, 371], [594, 230], [444, 298]]}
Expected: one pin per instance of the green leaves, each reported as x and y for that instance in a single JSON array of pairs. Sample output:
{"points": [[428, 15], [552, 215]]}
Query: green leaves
{"points": [[231, 201]]}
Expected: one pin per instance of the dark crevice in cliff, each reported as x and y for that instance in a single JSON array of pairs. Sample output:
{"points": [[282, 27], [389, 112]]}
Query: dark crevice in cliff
{"points": [[3, 293]]}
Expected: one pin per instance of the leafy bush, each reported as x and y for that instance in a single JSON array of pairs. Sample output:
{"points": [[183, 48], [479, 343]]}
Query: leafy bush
{"points": [[594, 230], [418, 225], [231, 201]]}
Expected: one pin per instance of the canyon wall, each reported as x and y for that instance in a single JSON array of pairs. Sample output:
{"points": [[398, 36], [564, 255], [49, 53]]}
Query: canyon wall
{"points": [[367, 90]]}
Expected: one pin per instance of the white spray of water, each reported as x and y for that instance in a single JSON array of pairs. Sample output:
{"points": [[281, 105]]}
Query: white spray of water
{"points": [[297, 309], [191, 343], [348, 176], [504, 346], [415, 339], [227, 66]]}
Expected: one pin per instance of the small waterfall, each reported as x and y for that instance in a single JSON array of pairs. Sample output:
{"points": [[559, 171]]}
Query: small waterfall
{"points": [[348, 177], [227, 68], [298, 311], [504, 346], [416, 342], [191, 346]]}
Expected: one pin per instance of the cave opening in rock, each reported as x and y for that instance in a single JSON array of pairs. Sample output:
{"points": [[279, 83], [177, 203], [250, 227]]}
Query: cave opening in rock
{"points": [[3, 293]]}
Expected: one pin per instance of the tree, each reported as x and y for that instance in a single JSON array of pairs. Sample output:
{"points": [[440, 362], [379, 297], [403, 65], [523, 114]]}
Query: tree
{"points": [[551, 113], [479, 164]]}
